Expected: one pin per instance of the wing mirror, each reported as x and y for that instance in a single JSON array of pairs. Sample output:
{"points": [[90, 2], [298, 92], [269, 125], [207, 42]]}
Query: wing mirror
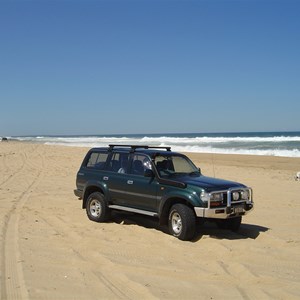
{"points": [[149, 173]]}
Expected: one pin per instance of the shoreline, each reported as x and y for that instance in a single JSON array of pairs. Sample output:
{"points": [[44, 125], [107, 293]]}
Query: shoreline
{"points": [[51, 250], [205, 154], [281, 144]]}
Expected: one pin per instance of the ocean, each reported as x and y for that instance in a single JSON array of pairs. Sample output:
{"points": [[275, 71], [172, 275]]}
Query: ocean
{"points": [[285, 144]]}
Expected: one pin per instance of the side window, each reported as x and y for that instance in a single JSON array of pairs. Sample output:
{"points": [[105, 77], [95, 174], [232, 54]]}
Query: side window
{"points": [[164, 165], [119, 162], [140, 163], [97, 160]]}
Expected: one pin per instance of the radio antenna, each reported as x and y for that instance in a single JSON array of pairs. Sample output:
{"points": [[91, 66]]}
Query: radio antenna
{"points": [[213, 163]]}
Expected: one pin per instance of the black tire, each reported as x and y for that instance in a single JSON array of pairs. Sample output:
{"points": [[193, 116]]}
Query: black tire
{"points": [[231, 224], [96, 208], [235, 223], [182, 222]]}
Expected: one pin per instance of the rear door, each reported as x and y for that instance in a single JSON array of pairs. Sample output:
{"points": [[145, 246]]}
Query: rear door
{"points": [[116, 177]]}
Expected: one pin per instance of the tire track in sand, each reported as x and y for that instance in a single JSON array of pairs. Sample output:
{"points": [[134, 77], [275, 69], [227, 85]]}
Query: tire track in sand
{"points": [[118, 285], [13, 285], [236, 271], [5, 166]]}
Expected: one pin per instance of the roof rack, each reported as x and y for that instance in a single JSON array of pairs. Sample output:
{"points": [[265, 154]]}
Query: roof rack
{"points": [[133, 147]]}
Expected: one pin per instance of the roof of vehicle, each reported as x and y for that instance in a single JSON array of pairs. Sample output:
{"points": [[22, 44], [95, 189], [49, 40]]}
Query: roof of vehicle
{"points": [[149, 150]]}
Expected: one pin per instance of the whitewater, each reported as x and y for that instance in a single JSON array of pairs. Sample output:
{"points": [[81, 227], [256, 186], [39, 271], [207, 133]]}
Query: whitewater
{"points": [[285, 144]]}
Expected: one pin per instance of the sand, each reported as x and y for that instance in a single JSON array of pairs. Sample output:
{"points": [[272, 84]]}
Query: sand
{"points": [[50, 250]]}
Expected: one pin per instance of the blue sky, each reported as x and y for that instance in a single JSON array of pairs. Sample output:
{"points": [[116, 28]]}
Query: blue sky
{"points": [[160, 66]]}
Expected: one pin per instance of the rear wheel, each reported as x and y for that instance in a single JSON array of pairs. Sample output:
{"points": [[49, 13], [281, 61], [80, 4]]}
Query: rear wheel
{"points": [[182, 222], [96, 208]]}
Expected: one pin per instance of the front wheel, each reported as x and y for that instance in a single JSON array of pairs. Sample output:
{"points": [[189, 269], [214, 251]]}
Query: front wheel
{"points": [[96, 208], [182, 222]]}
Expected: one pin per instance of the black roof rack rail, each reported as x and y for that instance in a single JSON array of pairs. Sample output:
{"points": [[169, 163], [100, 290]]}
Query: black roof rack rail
{"points": [[133, 147]]}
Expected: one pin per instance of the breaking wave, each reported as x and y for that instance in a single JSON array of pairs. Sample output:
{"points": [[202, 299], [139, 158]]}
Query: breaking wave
{"points": [[287, 145]]}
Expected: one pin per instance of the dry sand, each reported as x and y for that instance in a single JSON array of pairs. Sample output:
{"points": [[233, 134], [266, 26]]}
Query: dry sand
{"points": [[50, 250]]}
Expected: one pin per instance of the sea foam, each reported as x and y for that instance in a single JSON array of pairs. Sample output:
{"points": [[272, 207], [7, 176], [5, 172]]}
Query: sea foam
{"points": [[260, 144]]}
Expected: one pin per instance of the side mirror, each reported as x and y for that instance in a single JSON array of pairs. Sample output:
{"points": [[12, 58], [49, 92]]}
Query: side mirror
{"points": [[148, 173], [200, 171]]}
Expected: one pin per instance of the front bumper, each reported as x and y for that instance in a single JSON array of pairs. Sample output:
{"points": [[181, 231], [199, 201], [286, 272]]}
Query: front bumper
{"points": [[224, 212], [231, 209]]}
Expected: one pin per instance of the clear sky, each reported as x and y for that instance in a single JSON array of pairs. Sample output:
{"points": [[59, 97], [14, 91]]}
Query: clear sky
{"points": [[149, 66]]}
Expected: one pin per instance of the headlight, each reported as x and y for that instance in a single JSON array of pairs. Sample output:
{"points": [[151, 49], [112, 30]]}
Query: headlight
{"points": [[241, 195], [212, 197], [235, 196], [245, 195], [215, 199]]}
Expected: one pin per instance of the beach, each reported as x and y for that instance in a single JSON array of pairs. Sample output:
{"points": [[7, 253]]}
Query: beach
{"points": [[51, 250]]}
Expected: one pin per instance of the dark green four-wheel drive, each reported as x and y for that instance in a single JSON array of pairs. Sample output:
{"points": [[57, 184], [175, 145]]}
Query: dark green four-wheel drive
{"points": [[157, 182]]}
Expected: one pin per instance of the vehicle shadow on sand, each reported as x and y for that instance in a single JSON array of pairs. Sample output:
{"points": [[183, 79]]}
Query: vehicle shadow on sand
{"points": [[246, 231], [126, 218]]}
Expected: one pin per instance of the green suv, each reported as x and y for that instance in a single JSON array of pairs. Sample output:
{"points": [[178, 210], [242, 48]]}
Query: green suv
{"points": [[158, 182]]}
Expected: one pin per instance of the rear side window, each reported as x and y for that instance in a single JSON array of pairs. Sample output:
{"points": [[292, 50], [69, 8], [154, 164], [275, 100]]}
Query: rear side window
{"points": [[140, 163], [119, 162], [97, 160]]}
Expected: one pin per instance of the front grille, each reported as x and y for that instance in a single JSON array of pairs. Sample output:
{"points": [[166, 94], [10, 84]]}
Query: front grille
{"points": [[224, 203]]}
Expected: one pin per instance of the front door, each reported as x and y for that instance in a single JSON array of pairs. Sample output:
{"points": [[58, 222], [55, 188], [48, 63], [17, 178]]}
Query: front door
{"points": [[141, 191]]}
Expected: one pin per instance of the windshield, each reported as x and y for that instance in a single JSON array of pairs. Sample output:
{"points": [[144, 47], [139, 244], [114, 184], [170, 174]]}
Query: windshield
{"points": [[169, 166]]}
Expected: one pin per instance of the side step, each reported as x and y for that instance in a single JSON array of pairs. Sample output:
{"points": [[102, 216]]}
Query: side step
{"points": [[134, 210]]}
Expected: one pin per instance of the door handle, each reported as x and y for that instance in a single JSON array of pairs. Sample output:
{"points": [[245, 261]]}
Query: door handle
{"points": [[129, 181]]}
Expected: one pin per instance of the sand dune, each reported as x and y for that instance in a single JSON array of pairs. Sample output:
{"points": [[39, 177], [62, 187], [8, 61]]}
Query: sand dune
{"points": [[50, 250]]}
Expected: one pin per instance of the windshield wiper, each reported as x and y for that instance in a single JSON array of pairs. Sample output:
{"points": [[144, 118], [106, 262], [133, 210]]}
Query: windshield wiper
{"points": [[177, 174], [194, 173]]}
